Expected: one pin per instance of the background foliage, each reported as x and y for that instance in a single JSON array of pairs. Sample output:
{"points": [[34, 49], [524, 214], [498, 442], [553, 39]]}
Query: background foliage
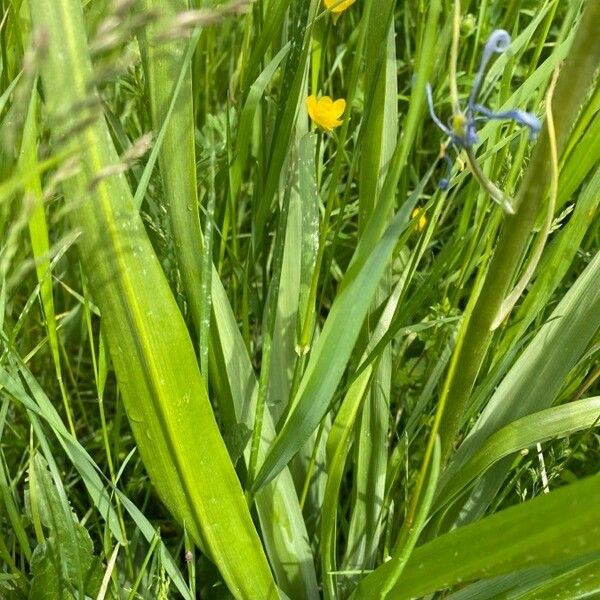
{"points": [[242, 356]]}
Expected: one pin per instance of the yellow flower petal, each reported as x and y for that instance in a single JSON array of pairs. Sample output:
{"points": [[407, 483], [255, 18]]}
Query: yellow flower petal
{"points": [[311, 106], [339, 106], [337, 6]]}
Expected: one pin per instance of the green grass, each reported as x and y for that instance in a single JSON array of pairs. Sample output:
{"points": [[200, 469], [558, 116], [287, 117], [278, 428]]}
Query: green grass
{"points": [[241, 356]]}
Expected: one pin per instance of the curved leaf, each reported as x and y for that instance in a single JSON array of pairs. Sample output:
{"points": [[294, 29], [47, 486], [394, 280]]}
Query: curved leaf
{"points": [[533, 533], [545, 425]]}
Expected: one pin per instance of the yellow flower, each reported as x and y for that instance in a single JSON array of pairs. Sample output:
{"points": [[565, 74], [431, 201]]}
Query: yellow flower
{"points": [[325, 112], [338, 6], [417, 213]]}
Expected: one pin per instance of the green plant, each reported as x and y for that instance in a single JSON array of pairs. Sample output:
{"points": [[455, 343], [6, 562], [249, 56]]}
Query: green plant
{"points": [[247, 353]]}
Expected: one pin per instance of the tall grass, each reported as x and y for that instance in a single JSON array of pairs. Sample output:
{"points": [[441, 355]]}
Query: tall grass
{"points": [[252, 350]]}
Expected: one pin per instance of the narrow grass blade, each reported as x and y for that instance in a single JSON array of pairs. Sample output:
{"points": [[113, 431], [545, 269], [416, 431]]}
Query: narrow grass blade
{"points": [[244, 133], [293, 78], [282, 524], [273, 15], [339, 442], [397, 562], [379, 140], [523, 433], [520, 583], [582, 582], [581, 161], [534, 381], [163, 64], [338, 446], [290, 554], [40, 242], [37, 403], [556, 261], [572, 88]]}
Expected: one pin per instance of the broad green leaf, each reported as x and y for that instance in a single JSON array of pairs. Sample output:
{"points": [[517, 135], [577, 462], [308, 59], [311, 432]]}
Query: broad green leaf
{"points": [[63, 563], [525, 583], [582, 582], [309, 195], [533, 533], [300, 252], [302, 233], [278, 507], [163, 391]]}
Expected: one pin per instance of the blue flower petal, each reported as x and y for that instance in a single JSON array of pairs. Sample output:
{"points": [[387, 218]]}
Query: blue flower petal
{"points": [[518, 116], [434, 117], [498, 42]]}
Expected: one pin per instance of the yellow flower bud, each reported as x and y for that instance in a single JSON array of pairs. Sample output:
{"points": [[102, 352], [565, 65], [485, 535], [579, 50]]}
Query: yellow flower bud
{"points": [[419, 214]]}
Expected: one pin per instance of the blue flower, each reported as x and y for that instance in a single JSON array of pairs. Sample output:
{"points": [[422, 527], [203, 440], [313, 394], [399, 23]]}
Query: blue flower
{"points": [[462, 126]]}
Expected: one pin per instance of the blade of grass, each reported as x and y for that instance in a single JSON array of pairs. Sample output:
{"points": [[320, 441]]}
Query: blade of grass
{"points": [[282, 525], [274, 12], [557, 260], [244, 133], [522, 433], [40, 243], [398, 561], [582, 159], [37, 403], [582, 582], [287, 546], [339, 442], [521, 581], [293, 79], [380, 132], [572, 88], [338, 446], [475, 332], [164, 64]]}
